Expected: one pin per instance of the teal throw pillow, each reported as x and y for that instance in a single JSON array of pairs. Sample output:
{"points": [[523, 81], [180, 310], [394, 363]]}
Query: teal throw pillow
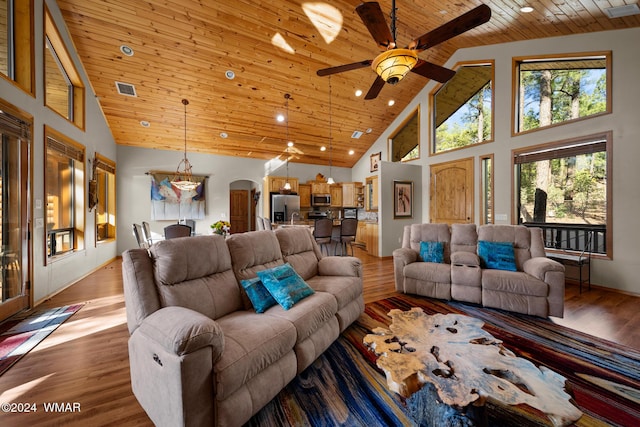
{"points": [[285, 285], [432, 252], [497, 255], [259, 296]]}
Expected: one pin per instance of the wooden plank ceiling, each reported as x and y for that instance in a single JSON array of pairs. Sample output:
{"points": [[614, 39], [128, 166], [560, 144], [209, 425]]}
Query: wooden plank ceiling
{"points": [[182, 49]]}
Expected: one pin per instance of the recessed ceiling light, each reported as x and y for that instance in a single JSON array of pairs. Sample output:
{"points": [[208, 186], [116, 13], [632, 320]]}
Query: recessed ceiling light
{"points": [[351, 152], [230, 74], [369, 130], [391, 102], [144, 123], [290, 143], [280, 118], [224, 135], [126, 50], [526, 9], [323, 148], [358, 92]]}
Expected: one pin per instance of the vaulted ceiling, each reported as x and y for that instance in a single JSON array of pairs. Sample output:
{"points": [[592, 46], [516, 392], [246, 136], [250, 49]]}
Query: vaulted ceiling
{"points": [[185, 49]]}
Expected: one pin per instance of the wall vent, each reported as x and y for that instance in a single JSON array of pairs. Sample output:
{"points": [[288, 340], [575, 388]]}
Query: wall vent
{"points": [[620, 11], [126, 89], [356, 134]]}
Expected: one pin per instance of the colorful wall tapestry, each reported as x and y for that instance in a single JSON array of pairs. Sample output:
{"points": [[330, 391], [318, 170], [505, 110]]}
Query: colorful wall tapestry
{"points": [[169, 202]]}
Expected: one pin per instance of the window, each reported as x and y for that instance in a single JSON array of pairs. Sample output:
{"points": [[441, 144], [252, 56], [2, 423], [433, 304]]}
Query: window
{"points": [[463, 108], [64, 187], [486, 186], [104, 180], [567, 186], [64, 92], [16, 47], [551, 91], [404, 145]]}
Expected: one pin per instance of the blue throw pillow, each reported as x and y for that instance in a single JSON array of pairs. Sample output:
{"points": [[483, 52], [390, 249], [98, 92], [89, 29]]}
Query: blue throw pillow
{"points": [[497, 255], [259, 296], [285, 285], [432, 252]]}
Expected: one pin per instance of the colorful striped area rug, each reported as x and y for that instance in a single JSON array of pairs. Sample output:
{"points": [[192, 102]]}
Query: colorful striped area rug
{"points": [[20, 334], [345, 388]]}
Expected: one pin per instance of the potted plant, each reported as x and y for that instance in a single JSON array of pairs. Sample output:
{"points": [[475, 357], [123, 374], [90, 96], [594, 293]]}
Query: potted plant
{"points": [[221, 227]]}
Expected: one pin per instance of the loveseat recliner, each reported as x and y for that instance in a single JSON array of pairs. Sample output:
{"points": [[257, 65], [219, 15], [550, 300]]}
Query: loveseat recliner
{"points": [[534, 287], [199, 353]]}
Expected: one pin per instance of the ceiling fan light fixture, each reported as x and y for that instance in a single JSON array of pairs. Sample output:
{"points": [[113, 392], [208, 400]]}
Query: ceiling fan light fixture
{"points": [[394, 64]]}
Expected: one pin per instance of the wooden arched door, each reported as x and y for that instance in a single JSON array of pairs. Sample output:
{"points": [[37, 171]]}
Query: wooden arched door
{"points": [[451, 192]]}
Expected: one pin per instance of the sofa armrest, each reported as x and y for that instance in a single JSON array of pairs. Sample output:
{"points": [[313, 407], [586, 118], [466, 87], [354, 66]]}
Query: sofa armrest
{"points": [[465, 258], [181, 331], [538, 267], [340, 266], [401, 258]]}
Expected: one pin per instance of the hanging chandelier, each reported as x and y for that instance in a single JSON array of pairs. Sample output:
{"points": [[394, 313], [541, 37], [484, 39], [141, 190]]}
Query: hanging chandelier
{"points": [[330, 180], [287, 184], [183, 180]]}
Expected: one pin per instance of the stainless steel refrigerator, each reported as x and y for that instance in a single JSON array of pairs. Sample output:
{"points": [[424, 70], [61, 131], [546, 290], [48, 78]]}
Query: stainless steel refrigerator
{"points": [[283, 206]]}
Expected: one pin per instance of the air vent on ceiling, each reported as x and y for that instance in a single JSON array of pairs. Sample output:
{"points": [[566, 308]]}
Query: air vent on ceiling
{"points": [[356, 134], [620, 11], [126, 89]]}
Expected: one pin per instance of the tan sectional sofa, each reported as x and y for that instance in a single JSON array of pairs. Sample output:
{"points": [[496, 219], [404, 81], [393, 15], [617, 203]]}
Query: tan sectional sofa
{"points": [[199, 353], [536, 287]]}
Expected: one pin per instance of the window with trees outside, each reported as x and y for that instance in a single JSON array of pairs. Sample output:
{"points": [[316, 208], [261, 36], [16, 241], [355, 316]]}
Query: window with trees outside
{"points": [[565, 187], [554, 90], [463, 108], [16, 47], [64, 91], [104, 179], [64, 188], [486, 185]]}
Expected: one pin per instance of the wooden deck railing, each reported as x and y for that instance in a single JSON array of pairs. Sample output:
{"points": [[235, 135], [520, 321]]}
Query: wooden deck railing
{"points": [[573, 237]]}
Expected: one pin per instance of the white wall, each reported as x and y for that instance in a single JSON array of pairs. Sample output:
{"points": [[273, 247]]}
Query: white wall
{"points": [[96, 137], [621, 271]]}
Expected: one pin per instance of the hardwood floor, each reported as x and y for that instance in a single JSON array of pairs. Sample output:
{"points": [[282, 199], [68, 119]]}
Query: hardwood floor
{"points": [[86, 361]]}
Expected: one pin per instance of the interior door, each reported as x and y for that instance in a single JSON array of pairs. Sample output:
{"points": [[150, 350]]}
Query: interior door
{"points": [[14, 215], [451, 192], [239, 210]]}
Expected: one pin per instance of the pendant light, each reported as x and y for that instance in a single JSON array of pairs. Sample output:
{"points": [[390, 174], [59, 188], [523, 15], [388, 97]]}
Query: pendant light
{"points": [[330, 180], [183, 180], [287, 185]]}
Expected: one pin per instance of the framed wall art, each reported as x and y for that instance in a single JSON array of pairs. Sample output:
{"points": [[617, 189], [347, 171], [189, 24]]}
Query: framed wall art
{"points": [[402, 199], [375, 161]]}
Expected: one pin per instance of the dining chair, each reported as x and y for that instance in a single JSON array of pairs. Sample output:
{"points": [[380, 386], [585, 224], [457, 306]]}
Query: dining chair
{"points": [[146, 233], [138, 233], [348, 230], [177, 230], [191, 223], [322, 233]]}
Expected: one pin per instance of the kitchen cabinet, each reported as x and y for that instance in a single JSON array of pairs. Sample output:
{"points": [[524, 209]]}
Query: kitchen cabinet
{"points": [[352, 195], [367, 234], [371, 194], [304, 191], [320, 188], [275, 183], [336, 195]]}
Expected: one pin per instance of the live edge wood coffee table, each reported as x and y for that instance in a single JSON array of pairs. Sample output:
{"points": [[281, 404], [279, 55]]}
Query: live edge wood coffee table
{"points": [[454, 373]]}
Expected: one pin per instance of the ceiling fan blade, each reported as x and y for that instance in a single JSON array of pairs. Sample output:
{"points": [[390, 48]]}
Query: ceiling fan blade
{"points": [[433, 71], [457, 26], [343, 68], [373, 19], [375, 89]]}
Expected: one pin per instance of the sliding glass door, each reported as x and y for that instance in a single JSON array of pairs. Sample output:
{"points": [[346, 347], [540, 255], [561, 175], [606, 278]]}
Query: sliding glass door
{"points": [[14, 215]]}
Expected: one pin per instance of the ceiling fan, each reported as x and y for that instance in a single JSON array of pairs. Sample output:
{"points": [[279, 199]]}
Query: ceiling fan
{"points": [[394, 63]]}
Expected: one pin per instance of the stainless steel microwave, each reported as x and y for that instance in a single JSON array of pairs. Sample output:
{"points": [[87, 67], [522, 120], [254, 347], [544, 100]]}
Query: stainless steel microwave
{"points": [[321, 200]]}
